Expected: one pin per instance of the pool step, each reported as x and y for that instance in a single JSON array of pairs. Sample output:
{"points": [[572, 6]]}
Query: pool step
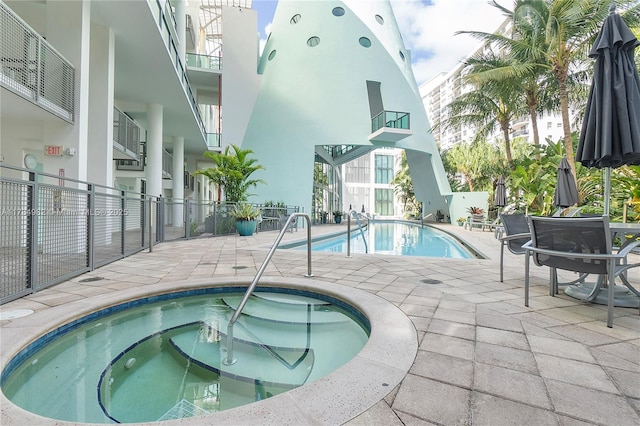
{"points": [[284, 367], [277, 307]]}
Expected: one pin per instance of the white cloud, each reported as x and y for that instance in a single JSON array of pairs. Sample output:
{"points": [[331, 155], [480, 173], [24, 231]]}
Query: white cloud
{"points": [[428, 31]]}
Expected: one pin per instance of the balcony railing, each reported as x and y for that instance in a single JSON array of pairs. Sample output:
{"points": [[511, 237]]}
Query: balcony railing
{"points": [[33, 69], [169, 35], [213, 140], [392, 119], [204, 61], [167, 165], [126, 134]]}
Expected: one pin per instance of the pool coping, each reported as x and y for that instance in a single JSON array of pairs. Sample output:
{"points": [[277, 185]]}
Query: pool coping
{"points": [[334, 399]]}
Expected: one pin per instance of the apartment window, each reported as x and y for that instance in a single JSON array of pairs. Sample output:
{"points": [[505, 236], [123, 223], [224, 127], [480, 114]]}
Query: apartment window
{"points": [[559, 125], [272, 55], [380, 19], [295, 18], [384, 201], [313, 41], [384, 168], [401, 55], [337, 11], [358, 170], [549, 124]]}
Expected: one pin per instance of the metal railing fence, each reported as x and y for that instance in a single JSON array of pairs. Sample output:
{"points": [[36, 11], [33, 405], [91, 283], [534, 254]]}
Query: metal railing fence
{"points": [[31, 68], [53, 228]]}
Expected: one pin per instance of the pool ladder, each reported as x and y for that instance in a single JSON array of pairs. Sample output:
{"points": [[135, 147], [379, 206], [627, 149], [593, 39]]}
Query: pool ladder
{"points": [[355, 214], [230, 360]]}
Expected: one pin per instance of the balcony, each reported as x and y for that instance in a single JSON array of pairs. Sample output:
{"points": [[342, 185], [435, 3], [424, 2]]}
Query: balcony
{"points": [[126, 137], [204, 61], [139, 165], [390, 127], [32, 69], [213, 141]]}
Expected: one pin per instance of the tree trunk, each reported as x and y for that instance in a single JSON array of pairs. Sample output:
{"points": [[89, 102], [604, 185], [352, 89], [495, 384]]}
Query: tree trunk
{"points": [[507, 142], [534, 128]]}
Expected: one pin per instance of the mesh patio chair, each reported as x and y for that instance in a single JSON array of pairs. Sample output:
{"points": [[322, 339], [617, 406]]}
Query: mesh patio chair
{"points": [[515, 233], [581, 245]]}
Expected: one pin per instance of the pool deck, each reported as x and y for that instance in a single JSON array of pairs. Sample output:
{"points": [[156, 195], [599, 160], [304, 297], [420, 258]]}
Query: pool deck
{"points": [[483, 358]]}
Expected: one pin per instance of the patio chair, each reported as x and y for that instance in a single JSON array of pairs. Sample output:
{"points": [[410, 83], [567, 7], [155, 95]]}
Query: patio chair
{"points": [[515, 233], [282, 220], [581, 245]]}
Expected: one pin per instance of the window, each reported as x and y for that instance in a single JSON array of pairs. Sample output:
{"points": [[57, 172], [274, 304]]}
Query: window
{"points": [[401, 55], [559, 125], [358, 170], [364, 42], [549, 124], [295, 18], [337, 11], [272, 54], [384, 201], [384, 168], [313, 41], [379, 19]]}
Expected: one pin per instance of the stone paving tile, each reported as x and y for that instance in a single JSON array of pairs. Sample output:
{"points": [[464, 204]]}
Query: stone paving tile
{"points": [[491, 319], [444, 368], [447, 346], [511, 384], [430, 400], [627, 381], [506, 357], [575, 372], [452, 329], [501, 337], [560, 348], [454, 315], [591, 405], [489, 410]]}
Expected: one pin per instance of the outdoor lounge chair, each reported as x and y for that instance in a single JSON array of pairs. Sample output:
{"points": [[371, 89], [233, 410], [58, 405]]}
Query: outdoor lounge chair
{"points": [[581, 245], [515, 234]]}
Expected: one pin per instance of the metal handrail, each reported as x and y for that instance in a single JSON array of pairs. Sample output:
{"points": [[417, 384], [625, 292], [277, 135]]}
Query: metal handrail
{"points": [[355, 214], [230, 360]]}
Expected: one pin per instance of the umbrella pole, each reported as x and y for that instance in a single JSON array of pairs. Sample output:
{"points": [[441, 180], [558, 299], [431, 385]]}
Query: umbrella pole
{"points": [[607, 189]]}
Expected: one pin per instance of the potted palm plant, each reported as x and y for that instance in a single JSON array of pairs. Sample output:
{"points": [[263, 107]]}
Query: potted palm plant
{"points": [[337, 216], [246, 216]]}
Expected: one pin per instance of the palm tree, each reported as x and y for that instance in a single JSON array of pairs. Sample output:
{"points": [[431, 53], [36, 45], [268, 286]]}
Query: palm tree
{"points": [[489, 104], [403, 186], [569, 28], [231, 172]]}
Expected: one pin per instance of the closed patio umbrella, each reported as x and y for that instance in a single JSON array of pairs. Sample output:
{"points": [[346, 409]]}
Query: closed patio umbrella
{"points": [[500, 198], [610, 135], [566, 194]]}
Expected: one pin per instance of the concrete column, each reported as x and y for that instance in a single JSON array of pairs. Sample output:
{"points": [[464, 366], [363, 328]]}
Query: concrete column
{"points": [[154, 150], [178, 181], [181, 29], [68, 29], [101, 88]]}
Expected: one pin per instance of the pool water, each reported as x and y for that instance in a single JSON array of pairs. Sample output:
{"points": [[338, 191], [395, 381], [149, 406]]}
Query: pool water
{"points": [[396, 238], [158, 360]]}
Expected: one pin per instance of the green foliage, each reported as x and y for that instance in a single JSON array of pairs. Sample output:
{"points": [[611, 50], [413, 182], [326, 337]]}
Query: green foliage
{"points": [[403, 187], [245, 211], [232, 172]]}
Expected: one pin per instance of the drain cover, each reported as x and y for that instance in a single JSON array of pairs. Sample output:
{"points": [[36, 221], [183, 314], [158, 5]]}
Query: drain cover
{"points": [[90, 279], [239, 267], [430, 281]]}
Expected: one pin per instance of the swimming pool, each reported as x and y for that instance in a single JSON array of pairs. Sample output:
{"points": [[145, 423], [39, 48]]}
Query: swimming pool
{"points": [[159, 358], [394, 238]]}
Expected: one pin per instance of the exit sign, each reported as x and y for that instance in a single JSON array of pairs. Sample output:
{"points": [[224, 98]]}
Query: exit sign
{"points": [[53, 150]]}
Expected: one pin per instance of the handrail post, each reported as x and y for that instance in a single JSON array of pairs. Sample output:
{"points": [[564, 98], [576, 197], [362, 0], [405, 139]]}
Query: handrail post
{"points": [[230, 360]]}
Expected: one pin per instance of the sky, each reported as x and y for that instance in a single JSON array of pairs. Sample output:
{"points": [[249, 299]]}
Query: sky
{"points": [[427, 27]]}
